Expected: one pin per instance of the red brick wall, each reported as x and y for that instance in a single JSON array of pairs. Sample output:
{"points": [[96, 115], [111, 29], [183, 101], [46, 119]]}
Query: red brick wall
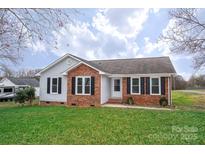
{"points": [[47, 103], [143, 99], [84, 100]]}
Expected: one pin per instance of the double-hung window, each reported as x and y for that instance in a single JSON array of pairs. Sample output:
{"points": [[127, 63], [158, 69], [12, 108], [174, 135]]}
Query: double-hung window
{"points": [[83, 85], [54, 85], [135, 85], [155, 86]]}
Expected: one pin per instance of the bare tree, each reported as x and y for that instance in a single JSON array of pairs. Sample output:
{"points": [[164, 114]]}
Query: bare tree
{"points": [[19, 28], [6, 71], [179, 83], [187, 35]]}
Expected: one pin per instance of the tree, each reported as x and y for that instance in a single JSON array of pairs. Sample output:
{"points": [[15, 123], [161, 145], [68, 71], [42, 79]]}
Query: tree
{"points": [[196, 81], [187, 35], [179, 83], [30, 94], [20, 28]]}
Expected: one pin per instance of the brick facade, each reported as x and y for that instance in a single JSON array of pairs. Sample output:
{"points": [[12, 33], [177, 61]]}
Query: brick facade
{"points": [[84, 100], [47, 103], [143, 99]]}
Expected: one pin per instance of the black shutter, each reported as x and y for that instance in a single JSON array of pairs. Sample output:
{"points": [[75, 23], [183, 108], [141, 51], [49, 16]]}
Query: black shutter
{"points": [[48, 85], [128, 85], [92, 85], [147, 85], [59, 85], [162, 85], [73, 85], [142, 85]]}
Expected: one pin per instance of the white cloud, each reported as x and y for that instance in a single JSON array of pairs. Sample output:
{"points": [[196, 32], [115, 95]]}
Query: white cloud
{"points": [[38, 46], [185, 75], [108, 35], [156, 10], [126, 24]]}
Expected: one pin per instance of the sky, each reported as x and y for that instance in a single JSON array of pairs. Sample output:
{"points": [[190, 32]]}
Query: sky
{"points": [[110, 33]]}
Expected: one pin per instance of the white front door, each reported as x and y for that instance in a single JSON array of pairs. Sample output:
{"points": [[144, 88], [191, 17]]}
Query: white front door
{"points": [[116, 87]]}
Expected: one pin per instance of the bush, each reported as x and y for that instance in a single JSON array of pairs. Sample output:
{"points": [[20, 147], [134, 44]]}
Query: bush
{"points": [[30, 93], [163, 101], [20, 97], [130, 101], [24, 95]]}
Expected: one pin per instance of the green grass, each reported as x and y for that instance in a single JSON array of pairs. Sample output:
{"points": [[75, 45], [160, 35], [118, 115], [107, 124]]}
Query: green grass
{"points": [[61, 125], [188, 100], [13, 104]]}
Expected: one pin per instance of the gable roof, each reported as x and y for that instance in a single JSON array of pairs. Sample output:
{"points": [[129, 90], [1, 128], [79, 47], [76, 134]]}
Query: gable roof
{"points": [[24, 81], [136, 65], [149, 65]]}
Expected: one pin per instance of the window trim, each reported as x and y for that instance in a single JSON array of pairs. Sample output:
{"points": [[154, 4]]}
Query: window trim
{"points": [[159, 85], [83, 85], [137, 77], [51, 85]]}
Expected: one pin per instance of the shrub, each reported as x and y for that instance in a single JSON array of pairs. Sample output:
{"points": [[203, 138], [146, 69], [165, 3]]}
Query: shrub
{"points": [[24, 95], [20, 97], [130, 101], [30, 94], [163, 101]]}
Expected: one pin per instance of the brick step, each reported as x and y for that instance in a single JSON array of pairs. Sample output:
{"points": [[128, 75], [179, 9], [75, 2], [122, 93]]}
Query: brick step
{"points": [[114, 101]]}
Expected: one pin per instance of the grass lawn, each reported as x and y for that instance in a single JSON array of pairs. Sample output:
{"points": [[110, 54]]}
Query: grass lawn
{"points": [[185, 100], [61, 125]]}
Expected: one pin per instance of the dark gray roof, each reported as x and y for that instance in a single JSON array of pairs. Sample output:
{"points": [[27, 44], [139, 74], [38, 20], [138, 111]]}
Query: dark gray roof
{"points": [[25, 81], [135, 65]]}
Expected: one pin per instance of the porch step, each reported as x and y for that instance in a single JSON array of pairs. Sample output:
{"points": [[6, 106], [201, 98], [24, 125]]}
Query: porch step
{"points": [[114, 101]]}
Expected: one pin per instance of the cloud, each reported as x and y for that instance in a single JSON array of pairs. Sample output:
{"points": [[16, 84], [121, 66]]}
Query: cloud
{"points": [[108, 35], [185, 75], [38, 46]]}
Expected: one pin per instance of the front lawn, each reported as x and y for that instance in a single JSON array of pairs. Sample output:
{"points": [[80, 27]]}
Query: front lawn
{"points": [[188, 100], [61, 125]]}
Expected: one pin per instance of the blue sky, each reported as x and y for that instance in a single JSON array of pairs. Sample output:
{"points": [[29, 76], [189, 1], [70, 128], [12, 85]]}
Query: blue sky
{"points": [[110, 33]]}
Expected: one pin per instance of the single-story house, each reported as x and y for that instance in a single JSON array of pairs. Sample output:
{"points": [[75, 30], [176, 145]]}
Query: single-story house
{"points": [[9, 85], [71, 80]]}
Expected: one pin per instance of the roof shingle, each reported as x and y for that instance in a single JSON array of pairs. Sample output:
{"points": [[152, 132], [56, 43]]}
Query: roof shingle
{"points": [[135, 65]]}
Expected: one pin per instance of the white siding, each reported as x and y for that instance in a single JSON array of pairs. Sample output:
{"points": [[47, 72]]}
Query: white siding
{"points": [[105, 89], [56, 71], [37, 92]]}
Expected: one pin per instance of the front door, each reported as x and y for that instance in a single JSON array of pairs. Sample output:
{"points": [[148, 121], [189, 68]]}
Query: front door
{"points": [[116, 87]]}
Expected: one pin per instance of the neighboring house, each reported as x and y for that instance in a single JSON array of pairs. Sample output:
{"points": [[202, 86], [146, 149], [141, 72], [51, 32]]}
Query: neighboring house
{"points": [[9, 85], [71, 80]]}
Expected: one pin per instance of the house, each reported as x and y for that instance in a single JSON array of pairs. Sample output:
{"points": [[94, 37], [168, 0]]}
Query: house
{"points": [[9, 85], [71, 80]]}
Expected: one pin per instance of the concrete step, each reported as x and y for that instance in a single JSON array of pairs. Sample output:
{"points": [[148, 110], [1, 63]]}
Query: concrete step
{"points": [[114, 101]]}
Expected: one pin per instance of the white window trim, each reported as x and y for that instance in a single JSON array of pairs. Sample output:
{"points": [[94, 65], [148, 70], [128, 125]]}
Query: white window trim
{"points": [[139, 86], [83, 85], [51, 85], [159, 85]]}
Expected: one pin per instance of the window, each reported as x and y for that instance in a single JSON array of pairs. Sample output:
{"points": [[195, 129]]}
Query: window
{"points": [[8, 90], [54, 85], [79, 85], [117, 85], [155, 86], [135, 85], [87, 85], [83, 85]]}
